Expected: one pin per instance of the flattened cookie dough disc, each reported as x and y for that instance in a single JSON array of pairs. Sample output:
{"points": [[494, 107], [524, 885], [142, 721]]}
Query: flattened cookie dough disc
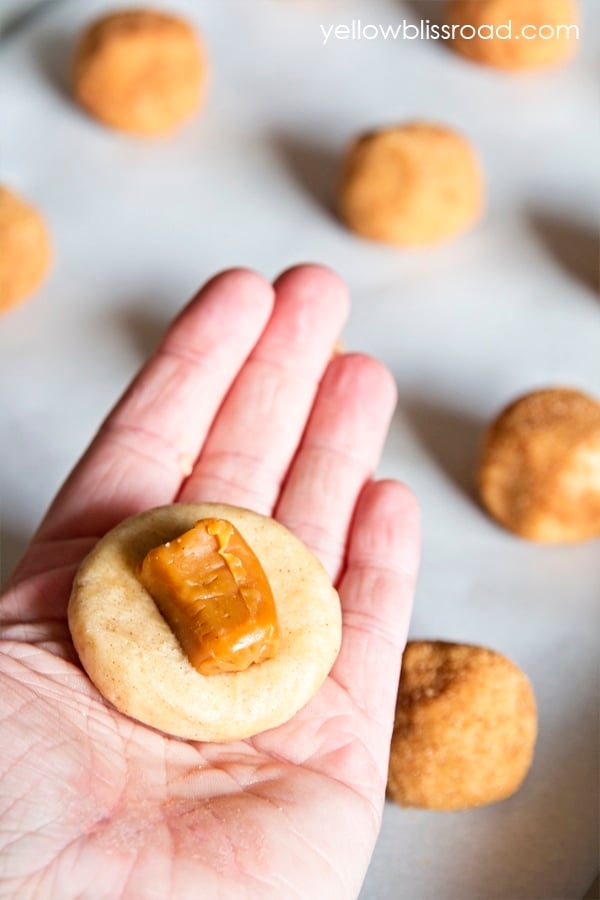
{"points": [[25, 252], [464, 730], [139, 70], [539, 472], [136, 662], [412, 184]]}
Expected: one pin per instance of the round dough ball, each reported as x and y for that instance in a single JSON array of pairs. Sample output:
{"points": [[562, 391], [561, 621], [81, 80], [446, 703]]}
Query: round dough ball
{"points": [[25, 251], [136, 662], [513, 49], [412, 184], [464, 730], [539, 472], [139, 70]]}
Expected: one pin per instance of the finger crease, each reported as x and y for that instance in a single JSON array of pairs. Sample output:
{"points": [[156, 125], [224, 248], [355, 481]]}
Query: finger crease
{"points": [[286, 371], [182, 354], [372, 565], [372, 626], [321, 542], [164, 453], [232, 483], [217, 457], [338, 453]]}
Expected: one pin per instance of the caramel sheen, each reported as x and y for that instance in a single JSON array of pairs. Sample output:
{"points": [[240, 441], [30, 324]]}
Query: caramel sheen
{"points": [[215, 597]]}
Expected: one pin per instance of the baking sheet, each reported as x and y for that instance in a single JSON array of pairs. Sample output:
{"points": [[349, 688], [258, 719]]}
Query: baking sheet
{"points": [[512, 306]]}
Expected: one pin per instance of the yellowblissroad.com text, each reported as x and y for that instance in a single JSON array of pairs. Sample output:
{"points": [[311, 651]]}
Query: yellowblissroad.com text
{"points": [[425, 30]]}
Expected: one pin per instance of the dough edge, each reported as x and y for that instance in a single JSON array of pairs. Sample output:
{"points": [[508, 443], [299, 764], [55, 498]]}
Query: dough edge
{"points": [[135, 661]]}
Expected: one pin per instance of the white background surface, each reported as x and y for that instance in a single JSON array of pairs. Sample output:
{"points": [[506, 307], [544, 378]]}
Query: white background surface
{"points": [[137, 226]]}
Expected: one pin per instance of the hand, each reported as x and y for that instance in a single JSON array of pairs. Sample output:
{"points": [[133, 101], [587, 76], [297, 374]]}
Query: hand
{"points": [[241, 404]]}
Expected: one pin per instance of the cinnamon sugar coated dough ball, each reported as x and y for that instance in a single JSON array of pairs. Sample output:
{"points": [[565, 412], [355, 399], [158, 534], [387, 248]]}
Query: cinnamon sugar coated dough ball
{"points": [[25, 251], [137, 663], [139, 70], [545, 40], [412, 184], [464, 730], [539, 472]]}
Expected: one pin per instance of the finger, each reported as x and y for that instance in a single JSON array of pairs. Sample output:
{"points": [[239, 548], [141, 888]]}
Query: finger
{"points": [[339, 452], [259, 426], [147, 445], [49, 574], [376, 594]]}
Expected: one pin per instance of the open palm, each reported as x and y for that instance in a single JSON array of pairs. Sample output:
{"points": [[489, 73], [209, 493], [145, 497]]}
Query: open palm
{"points": [[241, 404]]}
